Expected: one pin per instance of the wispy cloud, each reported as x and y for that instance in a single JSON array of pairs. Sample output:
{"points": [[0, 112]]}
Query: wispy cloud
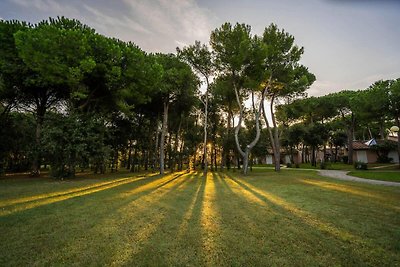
{"points": [[173, 21], [47, 6], [156, 26], [111, 23]]}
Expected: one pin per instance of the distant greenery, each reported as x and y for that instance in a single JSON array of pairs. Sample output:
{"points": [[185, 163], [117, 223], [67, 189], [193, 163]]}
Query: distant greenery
{"points": [[265, 219], [392, 176]]}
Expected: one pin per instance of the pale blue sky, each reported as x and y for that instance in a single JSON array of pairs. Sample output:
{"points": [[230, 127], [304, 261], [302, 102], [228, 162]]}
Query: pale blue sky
{"points": [[348, 44]]}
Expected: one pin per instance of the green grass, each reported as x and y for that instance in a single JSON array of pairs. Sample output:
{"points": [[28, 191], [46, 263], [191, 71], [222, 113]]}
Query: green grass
{"points": [[392, 176], [279, 219]]}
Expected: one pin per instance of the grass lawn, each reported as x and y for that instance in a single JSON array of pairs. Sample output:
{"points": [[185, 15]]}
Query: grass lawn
{"points": [[279, 219], [392, 176]]}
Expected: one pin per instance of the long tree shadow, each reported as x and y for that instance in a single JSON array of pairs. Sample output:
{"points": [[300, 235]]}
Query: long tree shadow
{"points": [[241, 233], [165, 236], [352, 190], [267, 235], [359, 249], [21, 204], [126, 225], [89, 211]]}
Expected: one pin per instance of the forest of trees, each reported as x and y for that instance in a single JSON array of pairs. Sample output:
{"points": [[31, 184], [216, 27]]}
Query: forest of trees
{"points": [[72, 99]]}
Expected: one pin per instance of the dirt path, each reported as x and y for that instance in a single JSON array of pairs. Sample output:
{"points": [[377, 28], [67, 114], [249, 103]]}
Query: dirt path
{"points": [[342, 175]]}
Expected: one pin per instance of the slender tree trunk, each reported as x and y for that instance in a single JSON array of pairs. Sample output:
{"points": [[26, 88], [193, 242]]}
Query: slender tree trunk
{"points": [[313, 160], [336, 152], [205, 130], [176, 145], [155, 155], [146, 160], [129, 161], [116, 160], [350, 146], [215, 158], [181, 156], [169, 150], [134, 160], [274, 135], [350, 139], [397, 119], [162, 139], [38, 135], [370, 133], [382, 131], [291, 155]]}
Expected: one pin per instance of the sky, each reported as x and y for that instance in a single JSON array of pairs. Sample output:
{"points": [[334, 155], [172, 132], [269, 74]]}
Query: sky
{"points": [[349, 44]]}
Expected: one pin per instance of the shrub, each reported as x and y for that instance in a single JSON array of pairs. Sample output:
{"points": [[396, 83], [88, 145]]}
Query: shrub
{"points": [[324, 165], [289, 165], [384, 159], [345, 159], [358, 165]]}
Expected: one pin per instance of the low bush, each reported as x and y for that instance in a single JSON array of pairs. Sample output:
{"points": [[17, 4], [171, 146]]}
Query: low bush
{"points": [[358, 165]]}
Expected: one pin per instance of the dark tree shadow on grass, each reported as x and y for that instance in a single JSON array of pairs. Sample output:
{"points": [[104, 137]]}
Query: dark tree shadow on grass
{"points": [[348, 246], [72, 220]]}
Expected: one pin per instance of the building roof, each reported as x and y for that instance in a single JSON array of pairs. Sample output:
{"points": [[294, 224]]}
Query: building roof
{"points": [[359, 145], [365, 145]]}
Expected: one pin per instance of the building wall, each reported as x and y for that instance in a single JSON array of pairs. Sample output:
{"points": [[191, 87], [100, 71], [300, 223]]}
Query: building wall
{"points": [[372, 156], [361, 156], [394, 155]]}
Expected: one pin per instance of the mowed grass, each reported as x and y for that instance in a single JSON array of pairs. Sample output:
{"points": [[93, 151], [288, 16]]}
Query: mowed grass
{"points": [[392, 176], [291, 218]]}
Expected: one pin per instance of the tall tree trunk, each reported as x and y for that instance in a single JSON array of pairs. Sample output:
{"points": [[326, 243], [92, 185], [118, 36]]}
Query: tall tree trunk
{"points": [[38, 135], [350, 139], [116, 160], [162, 139], [155, 155], [205, 130], [313, 159], [246, 161], [169, 146], [397, 119], [350, 146], [215, 157], [382, 131], [273, 135], [134, 160], [128, 164], [181, 156]]}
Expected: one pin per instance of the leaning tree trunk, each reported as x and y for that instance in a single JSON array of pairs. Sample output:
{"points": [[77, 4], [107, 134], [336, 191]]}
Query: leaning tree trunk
{"points": [[162, 138], [273, 135]]}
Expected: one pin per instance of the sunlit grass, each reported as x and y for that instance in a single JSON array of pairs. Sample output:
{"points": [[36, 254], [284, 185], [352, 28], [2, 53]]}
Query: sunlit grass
{"points": [[267, 218], [347, 189], [391, 176]]}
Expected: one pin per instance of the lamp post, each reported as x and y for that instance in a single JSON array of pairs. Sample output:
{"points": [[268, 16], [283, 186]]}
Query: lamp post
{"points": [[395, 129]]}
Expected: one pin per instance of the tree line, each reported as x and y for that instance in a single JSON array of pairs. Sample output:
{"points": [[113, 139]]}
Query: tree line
{"points": [[337, 119], [73, 99]]}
